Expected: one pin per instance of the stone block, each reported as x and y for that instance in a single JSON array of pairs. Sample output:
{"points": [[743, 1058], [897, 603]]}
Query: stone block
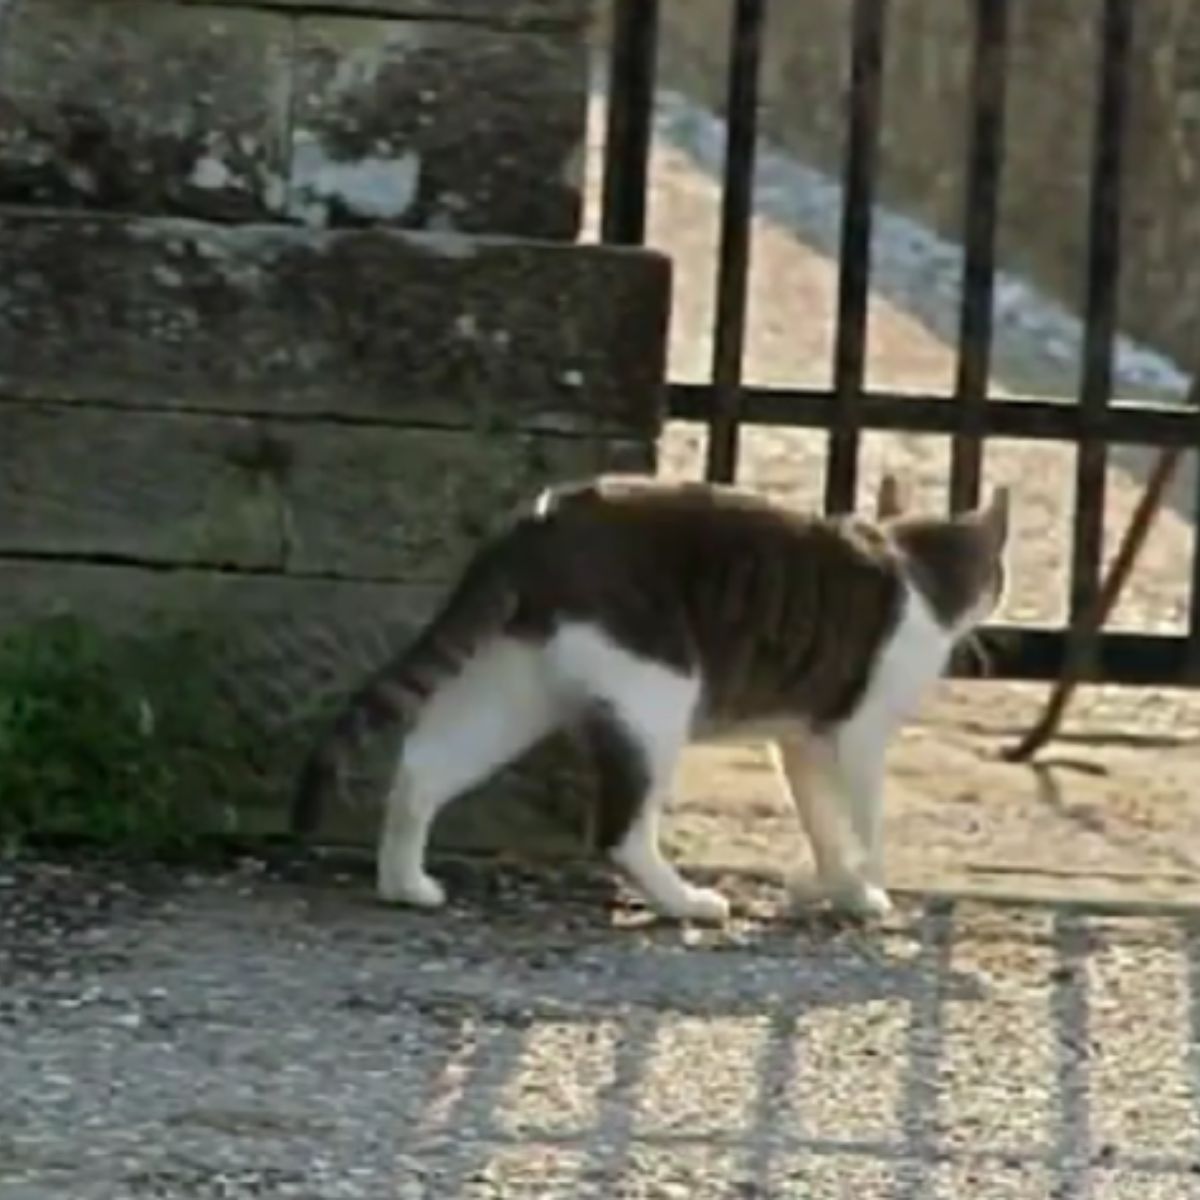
{"points": [[310, 497], [125, 105], [368, 324], [438, 126], [254, 112]]}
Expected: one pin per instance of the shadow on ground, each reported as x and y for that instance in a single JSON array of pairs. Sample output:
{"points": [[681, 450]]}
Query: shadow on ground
{"points": [[273, 1032]]}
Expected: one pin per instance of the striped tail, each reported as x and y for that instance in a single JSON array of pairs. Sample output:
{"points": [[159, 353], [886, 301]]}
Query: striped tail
{"points": [[480, 606]]}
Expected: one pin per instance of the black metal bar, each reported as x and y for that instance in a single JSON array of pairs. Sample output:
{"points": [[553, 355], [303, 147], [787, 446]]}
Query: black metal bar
{"points": [[850, 348], [1193, 651], [988, 87], [1194, 599], [1133, 541], [1019, 418], [630, 113], [1100, 329], [1038, 655], [737, 201]]}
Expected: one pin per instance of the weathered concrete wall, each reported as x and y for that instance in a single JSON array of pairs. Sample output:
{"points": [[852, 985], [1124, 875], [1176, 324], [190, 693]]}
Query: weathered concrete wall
{"points": [[226, 412], [437, 115], [1049, 117]]}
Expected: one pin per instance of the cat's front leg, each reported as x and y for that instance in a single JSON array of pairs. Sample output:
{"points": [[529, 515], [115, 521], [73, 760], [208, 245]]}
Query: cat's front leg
{"points": [[856, 763], [798, 761], [827, 799]]}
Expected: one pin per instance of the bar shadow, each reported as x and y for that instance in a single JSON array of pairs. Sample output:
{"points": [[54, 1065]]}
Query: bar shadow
{"points": [[638, 979]]}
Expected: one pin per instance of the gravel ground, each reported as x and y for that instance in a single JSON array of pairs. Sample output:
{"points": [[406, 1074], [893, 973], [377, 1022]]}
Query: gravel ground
{"points": [[269, 1032]]}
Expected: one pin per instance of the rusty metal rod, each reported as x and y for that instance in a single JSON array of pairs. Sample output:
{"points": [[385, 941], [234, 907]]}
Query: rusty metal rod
{"points": [[1085, 630]]}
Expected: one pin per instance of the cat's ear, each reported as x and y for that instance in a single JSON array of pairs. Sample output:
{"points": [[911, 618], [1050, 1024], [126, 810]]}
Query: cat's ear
{"points": [[994, 520], [891, 500]]}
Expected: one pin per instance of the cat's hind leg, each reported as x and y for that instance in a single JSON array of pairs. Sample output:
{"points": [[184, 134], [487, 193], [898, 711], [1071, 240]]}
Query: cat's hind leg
{"points": [[639, 720], [475, 722], [635, 767]]}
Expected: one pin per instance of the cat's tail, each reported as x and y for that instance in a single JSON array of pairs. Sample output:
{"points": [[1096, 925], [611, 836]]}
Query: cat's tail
{"points": [[483, 602]]}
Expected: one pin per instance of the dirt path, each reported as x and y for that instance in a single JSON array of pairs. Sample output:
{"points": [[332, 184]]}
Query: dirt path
{"points": [[1119, 809]]}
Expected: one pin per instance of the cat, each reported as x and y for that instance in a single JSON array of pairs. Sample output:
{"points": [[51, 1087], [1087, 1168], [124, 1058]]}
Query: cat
{"points": [[646, 615]]}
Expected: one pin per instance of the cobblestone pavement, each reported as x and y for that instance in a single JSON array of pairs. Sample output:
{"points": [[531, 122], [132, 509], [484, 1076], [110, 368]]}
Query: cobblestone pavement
{"points": [[253, 1032]]}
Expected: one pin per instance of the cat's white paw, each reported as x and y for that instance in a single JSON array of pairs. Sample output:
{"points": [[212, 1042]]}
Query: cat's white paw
{"points": [[417, 891], [806, 891], [704, 905], [858, 898]]}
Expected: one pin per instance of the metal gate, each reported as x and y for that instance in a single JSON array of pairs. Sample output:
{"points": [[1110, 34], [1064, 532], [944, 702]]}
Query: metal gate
{"points": [[969, 415]]}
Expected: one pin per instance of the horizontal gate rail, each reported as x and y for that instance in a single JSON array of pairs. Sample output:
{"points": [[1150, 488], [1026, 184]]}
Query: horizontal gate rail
{"points": [[1135, 423], [1039, 654]]}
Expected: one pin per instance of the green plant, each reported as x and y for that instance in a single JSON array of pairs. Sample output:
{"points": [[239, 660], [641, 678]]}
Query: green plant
{"points": [[107, 738]]}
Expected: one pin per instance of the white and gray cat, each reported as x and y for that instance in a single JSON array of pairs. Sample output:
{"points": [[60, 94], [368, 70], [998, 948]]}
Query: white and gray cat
{"points": [[648, 615]]}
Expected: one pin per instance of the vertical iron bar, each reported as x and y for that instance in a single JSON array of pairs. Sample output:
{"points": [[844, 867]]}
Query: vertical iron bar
{"points": [[1103, 271], [737, 198], [1193, 648], [988, 87], [630, 107], [1088, 607], [862, 153]]}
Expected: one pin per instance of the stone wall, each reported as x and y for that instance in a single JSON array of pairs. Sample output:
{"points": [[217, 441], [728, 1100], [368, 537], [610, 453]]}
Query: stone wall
{"points": [[271, 357], [1050, 111], [434, 115]]}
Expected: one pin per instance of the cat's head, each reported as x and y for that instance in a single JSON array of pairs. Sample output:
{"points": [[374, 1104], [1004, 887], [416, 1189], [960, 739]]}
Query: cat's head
{"points": [[957, 561]]}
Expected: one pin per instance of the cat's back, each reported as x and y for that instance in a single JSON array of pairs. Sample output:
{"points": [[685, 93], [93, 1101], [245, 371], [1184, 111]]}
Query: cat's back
{"points": [[723, 554], [644, 508], [719, 524]]}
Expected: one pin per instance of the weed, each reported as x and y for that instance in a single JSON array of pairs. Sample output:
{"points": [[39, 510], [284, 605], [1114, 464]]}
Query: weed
{"points": [[111, 739]]}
